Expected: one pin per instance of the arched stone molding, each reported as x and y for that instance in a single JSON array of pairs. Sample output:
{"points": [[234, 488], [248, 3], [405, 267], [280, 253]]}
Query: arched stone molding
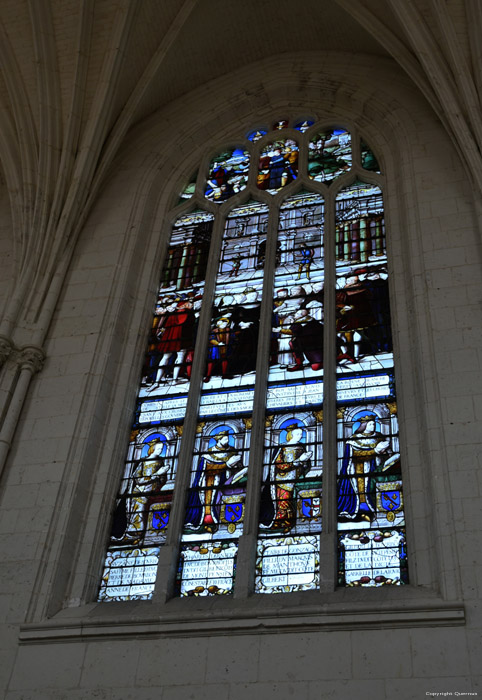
{"points": [[333, 88]]}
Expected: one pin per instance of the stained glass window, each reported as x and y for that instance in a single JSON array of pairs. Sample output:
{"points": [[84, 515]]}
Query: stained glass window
{"points": [[270, 315], [227, 175], [329, 154]]}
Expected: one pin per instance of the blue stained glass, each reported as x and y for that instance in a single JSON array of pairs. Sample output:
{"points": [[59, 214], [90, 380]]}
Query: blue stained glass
{"points": [[303, 125], [370, 504], [228, 174], [256, 134], [216, 500]]}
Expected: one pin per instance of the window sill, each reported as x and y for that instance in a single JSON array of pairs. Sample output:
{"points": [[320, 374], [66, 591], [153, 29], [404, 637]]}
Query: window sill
{"points": [[203, 616]]}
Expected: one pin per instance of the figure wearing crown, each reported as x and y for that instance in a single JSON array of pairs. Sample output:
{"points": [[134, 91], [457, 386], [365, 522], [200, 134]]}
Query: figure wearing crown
{"points": [[366, 451], [214, 469]]}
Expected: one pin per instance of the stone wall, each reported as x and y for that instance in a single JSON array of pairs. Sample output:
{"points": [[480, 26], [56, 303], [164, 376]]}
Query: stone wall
{"points": [[65, 461]]}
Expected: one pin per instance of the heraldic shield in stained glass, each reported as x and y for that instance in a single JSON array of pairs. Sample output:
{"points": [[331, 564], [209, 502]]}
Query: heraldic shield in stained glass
{"points": [[249, 304]]}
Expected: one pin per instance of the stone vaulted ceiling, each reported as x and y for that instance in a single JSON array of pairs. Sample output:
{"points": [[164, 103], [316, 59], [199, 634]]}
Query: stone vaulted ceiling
{"points": [[76, 75]]}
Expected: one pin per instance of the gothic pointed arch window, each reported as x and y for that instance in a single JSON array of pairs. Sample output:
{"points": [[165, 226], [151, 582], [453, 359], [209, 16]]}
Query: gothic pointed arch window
{"points": [[266, 423]]}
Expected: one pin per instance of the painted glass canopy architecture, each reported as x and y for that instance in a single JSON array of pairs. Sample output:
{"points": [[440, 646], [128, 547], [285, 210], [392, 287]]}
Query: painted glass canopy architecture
{"points": [[267, 392]]}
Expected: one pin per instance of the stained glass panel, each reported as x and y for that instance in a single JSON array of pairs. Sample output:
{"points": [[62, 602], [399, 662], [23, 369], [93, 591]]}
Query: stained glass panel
{"points": [[329, 155], [370, 506], [228, 174], [291, 485], [256, 134], [368, 158], [287, 564], [303, 125], [142, 510], [278, 165], [216, 500], [371, 547], [189, 189], [362, 301]]}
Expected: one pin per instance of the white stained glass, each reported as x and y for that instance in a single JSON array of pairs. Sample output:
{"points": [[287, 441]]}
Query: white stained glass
{"points": [[208, 567], [129, 574], [232, 402], [377, 558], [156, 411], [287, 563], [377, 386], [295, 395]]}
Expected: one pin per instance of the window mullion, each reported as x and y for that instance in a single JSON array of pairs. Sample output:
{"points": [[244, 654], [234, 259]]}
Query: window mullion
{"points": [[328, 534]]}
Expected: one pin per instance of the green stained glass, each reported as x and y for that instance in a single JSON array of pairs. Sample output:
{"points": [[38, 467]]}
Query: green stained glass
{"points": [[368, 158], [329, 155]]}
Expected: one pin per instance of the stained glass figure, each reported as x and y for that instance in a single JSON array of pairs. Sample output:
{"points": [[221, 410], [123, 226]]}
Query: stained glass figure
{"points": [[329, 155], [370, 497], [278, 165], [142, 513], [291, 489], [215, 506], [228, 174], [297, 334], [233, 337], [303, 125], [372, 549], [190, 188], [167, 367], [362, 301], [370, 505], [256, 134], [368, 159], [143, 505]]}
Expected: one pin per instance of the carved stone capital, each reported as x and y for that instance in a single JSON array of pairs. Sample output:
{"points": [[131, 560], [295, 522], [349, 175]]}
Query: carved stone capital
{"points": [[6, 347], [31, 357]]}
